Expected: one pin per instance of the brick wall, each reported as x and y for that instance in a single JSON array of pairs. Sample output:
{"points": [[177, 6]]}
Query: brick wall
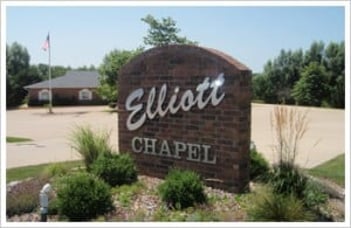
{"points": [[217, 138]]}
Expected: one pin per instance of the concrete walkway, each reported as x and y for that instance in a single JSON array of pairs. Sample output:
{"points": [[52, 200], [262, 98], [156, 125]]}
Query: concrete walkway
{"points": [[324, 139]]}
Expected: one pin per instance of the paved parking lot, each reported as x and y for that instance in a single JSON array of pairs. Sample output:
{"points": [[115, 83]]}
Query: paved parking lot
{"points": [[324, 139], [50, 132]]}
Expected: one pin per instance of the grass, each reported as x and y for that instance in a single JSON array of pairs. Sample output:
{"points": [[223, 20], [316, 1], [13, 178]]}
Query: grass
{"points": [[21, 173], [110, 111], [333, 170], [90, 144], [11, 139]]}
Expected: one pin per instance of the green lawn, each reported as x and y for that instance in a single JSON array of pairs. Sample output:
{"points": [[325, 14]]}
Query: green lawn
{"points": [[22, 173], [11, 139], [333, 170]]}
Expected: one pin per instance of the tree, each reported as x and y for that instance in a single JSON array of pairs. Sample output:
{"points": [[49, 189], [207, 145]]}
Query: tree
{"points": [[109, 69], [312, 88], [107, 92], [18, 74], [56, 71], [334, 63], [278, 77], [281, 75], [259, 86], [90, 68], [163, 32], [315, 53]]}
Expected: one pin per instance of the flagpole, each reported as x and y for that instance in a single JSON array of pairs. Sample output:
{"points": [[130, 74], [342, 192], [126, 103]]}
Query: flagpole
{"points": [[50, 89]]}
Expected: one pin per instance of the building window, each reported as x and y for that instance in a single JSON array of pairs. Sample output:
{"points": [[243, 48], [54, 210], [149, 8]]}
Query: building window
{"points": [[85, 95], [44, 95]]}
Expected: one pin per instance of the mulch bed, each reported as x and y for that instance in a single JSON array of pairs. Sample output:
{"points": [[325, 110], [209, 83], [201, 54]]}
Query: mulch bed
{"points": [[147, 203]]}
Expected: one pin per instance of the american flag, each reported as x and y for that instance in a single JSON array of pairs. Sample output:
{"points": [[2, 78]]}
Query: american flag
{"points": [[46, 44]]}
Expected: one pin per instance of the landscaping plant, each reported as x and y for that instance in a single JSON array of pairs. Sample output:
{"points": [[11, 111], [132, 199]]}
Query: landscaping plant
{"points": [[116, 169], [55, 170], [182, 189], [314, 195], [90, 145], [24, 197], [259, 166], [287, 179], [82, 197], [289, 126], [270, 206]]}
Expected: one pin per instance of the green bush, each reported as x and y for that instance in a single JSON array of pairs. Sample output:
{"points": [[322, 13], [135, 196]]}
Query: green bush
{"points": [[258, 165], [82, 196], [55, 170], [314, 195], [287, 179], [53, 207], [182, 189], [90, 145], [116, 169], [269, 206]]}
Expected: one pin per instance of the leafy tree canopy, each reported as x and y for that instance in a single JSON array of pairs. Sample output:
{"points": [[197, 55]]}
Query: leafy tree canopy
{"points": [[287, 78], [163, 32], [18, 74], [112, 63], [312, 86]]}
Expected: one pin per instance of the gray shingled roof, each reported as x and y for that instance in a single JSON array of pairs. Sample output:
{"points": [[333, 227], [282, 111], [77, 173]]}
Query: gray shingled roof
{"points": [[72, 79]]}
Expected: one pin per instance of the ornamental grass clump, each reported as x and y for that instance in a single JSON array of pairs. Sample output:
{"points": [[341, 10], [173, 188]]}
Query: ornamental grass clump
{"points": [[270, 206], [289, 126], [90, 145], [286, 178]]}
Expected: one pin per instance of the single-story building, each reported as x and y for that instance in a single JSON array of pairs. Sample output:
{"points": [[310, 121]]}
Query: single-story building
{"points": [[73, 88]]}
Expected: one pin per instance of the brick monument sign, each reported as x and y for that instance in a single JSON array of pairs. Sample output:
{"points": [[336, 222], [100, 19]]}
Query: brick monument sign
{"points": [[187, 107]]}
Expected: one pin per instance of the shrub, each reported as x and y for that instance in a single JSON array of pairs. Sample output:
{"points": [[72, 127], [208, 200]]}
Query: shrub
{"points": [[269, 206], [82, 197], [314, 195], [258, 165], [90, 145], [287, 179], [182, 189], [55, 169], [24, 197], [53, 207], [112, 105], [116, 169]]}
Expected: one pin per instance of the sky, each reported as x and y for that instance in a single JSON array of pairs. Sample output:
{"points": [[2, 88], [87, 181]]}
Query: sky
{"points": [[253, 35]]}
